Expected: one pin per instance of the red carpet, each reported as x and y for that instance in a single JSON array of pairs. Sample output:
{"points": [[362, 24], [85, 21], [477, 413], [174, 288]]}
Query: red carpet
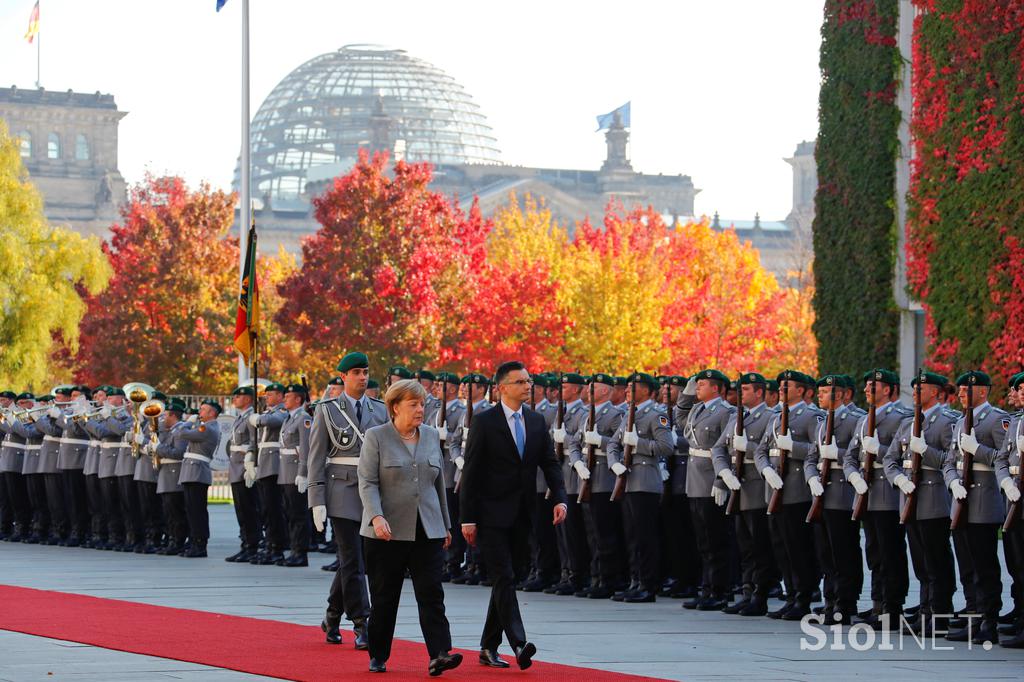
{"points": [[251, 645]]}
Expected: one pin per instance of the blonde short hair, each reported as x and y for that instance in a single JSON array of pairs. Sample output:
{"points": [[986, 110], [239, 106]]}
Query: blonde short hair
{"points": [[404, 389]]}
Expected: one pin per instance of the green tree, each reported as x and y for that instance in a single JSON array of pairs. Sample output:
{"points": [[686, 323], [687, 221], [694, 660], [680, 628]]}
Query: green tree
{"points": [[44, 271]]}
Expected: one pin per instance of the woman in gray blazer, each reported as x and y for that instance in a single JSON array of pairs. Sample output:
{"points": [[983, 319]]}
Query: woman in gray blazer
{"points": [[405, 525]]}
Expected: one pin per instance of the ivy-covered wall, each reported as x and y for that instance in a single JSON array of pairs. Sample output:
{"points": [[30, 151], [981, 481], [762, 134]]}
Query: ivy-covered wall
{"points": [[856, 321], [965, 233]]}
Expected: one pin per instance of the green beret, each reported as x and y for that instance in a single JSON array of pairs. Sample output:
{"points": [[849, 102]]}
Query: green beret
{"points": [[830, 380], [475, 378], [81, 388], [115, 391], [662, 379], [752, 378], [25, 396], [296, 388], [63, 389], [886, 376], [400, 372], [176, 405], [448, 377], [215, 405], [932, 378], [353, 361], [713, 374], [160, 395], [45, 398], [10, 395], [1018, 380], [790, 374], [274, 387], [846, 381], [771, 385], [372, 383], [540, 380], [602, 378], [974, 377], [574, 379], [646, 379], [242, 390], [734, 386], [336, 381], [426, 374]]}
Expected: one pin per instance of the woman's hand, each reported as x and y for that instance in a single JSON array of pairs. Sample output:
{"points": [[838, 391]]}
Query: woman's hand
{"points": [[447, 539], [381, 528]]}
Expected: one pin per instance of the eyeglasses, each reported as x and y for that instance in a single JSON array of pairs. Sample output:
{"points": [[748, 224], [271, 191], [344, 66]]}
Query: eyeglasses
{"points": [[519, 382]]}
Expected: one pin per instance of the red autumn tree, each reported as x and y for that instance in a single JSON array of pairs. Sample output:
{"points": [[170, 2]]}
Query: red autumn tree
{"points": [[167, 318]]}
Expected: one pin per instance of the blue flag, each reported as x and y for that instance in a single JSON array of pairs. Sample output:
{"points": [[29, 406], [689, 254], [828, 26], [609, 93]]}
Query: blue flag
{"points": [[221, 3], [605, 120]]}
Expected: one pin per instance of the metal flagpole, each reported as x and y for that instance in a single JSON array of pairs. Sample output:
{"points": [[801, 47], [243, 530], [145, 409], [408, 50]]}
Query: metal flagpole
{"points": [[39, 49], [244, 209]]}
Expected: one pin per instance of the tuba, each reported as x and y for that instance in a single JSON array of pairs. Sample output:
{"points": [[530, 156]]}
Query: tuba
{"points": [[137, 393]]}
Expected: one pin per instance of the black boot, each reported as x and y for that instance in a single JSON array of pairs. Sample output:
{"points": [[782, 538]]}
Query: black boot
{"points": [[197, 550], [331, 625], [362, 640], [758, 606], [741, 604]]}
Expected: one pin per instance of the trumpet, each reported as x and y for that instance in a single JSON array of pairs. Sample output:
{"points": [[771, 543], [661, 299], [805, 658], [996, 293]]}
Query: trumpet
{"points": [[152, 409]]}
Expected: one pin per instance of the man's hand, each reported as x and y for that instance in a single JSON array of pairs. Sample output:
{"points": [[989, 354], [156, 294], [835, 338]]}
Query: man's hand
{"points": [[465, 434], [1012, 493], [140, 439], [957, 488], [302, 483], [969, 442], [691, 387], [904, 484], [870, 444], [817, 489], [558, 435], [54, 412], [320, 517], [254, 420], [772, 478], [829, 450], [582, 470], [631, 438], [559, 514], [618, 468], [784, 441], [105, 412], [663, 470], [730, 479], [739, 442], [469, 532], [447, 539], [720, 496], [381, 528], [250, 474], [918, 444], [592, 438], [460, 462], [442, 433], [860, 486]]}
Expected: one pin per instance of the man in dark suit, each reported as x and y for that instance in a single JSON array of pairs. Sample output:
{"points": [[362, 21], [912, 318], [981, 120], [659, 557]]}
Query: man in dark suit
{"points": [[504, 449]]}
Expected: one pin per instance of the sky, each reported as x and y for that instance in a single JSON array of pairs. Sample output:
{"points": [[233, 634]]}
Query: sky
{"points": [[721, 90]]}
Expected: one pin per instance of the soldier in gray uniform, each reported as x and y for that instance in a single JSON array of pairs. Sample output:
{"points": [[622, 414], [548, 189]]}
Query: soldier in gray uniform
{"points": [[35, 482], [196, 477], [544, 559], [759, 573], [884, 540], [928, 528], [448, 429], [98, 518], [170, 453], [145, 477], [839, 537], [651, 441], [476, 394], [127, 493], [294, 440], [12, 462], [602, 517], [112, 427], [684, 565], [985, 509], [432, 404], [704, 420], [335, 439], [48, 427], [1013, 539], [797, 540], [74, 442], [265, 472], [242, 447]]}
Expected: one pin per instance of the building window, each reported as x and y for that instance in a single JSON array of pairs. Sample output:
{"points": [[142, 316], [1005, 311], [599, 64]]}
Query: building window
{"points": [[81, 148], [53, 146], [25, 142]]}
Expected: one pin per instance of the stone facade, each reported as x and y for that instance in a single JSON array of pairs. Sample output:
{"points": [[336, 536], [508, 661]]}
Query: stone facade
{"points": [[69, 146]]}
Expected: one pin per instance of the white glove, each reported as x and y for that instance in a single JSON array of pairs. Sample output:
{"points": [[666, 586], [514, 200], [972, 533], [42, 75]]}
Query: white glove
{"points": [[140, 438], [904, 484], [730, 479], [631, 438], [968, 442], [151, 448], [618, 468], [784, 441], [918, 444], [772, 478], [320, 517], [1020, 443], [105, 412], [857, 481], [582, 470], [870, 444], [691, 387], [254, 420], [739, 443], [459, 462], [302, 483], [958, 489], [250, 474], [54, 412], [721, 496], [192, 418], [663, 468], [675, 439], [442, 433], [465, 434], [817, 489], [829, 451], [1012, 493], [559, 435], [592, 438]]}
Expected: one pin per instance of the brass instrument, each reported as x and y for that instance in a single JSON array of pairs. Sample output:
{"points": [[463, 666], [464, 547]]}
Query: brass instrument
{"points": [[152, 409], [138, 393]]}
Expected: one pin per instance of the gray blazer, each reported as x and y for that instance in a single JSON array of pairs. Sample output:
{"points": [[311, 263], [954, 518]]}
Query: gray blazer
{"points": [[703, 424], [171, 451], [991, 463], [882, 496], [269, 460], [803, 427], [294, 442], [755, 422], [838, 491], [654, 447], [933, 497], [203, 444], [602, 479], [48, 454], [402, 487]]}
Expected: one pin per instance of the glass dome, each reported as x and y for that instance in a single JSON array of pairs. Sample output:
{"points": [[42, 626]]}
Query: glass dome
{"points": [[321, 113]]}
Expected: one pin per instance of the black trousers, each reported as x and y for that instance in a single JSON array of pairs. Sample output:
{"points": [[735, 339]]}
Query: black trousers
{"points": [[844, 543], [755, 545], [892, 557], [710, 529], [798, 549], [503, 551], [572, 543], [272, 513], [386, 564], [131, 510], [873, 558], [297, 512], [546, 553], [917, 562], [982, 540], [246, 513], [35, 485], [6, 513], [603, 520], [150, 511], [457, 549], [176, 519], [98, 517], [112, 508], [932, 538], [640, 518], [73, 481], [196, 512], [965, 567], [17, 498], [1013, 545], [823, 550], [348, 589], [55, 504]]}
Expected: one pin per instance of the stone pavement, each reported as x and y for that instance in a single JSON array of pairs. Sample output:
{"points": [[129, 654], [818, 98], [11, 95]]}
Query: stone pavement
{"points": [[661, 640]]}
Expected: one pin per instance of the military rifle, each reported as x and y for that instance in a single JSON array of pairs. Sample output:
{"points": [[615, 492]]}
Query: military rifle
{"points": [[469, 419], [910, 505], [670, 415], [560, 419], [627, 451], [960, 507], [824, 465], [737, 461], [860, 502], [775, 503], [584, 495], [310, 407]]}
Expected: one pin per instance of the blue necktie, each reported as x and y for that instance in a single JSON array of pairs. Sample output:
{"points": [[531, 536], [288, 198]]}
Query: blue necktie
{"points": [[359, 411], [520, 434]]}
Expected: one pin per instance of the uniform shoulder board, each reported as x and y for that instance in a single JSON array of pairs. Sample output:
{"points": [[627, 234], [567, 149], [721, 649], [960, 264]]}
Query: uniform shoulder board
{"points": [[663, 420], [998, 411]]}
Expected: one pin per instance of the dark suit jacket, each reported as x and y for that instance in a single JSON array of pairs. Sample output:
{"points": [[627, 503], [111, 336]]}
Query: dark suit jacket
{"points": [[498, 488]]}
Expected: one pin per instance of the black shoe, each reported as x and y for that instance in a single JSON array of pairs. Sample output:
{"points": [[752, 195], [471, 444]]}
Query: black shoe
{"points": [[271, 558], [1009, 630], [776, 593], [684, 592], [862, 616], [378, 666], [977, 633], [72, 541], [1015, 642], [815, 596], [756, 607], [780, 612], [640, 597], [535, 585], [737, 607], [169, 550], [197, 550], [712, 604], [600, 592], [475, 579], [797, 612], [526, 652], [329, 548], [621, 596], [362, 641], [240, 555], [566, 589], [331, 567], [692, 603], [444, 661], [296, 560], [557, 588], [332, 630], [1008, 618], [491, 659], [33, 539], [668, 587], [911, 611]]}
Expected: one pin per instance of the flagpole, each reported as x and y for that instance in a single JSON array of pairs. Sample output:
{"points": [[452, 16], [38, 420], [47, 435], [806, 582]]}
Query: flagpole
{"points": [[39, 55], [244, 211]]}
